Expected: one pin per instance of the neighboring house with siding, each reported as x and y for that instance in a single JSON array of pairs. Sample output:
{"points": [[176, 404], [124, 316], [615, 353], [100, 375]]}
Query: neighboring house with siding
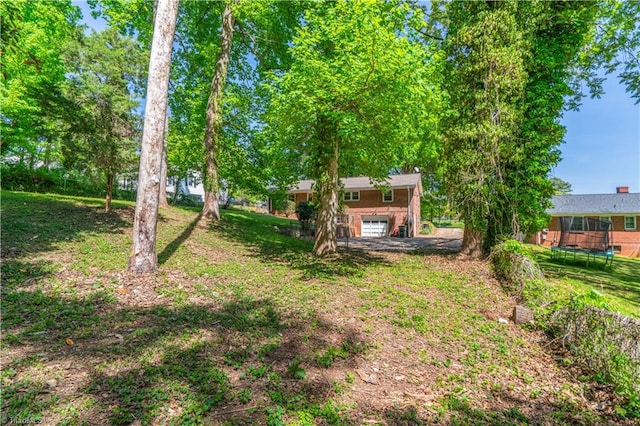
{"points": [[372, 212], [622, 209]]}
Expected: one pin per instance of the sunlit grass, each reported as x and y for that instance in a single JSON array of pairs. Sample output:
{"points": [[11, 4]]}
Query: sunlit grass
{"points": [[243, 319], [619, 284]]}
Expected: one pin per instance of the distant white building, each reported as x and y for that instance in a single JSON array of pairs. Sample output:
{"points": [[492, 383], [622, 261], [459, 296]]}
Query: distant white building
{"points": [[191, 187]]}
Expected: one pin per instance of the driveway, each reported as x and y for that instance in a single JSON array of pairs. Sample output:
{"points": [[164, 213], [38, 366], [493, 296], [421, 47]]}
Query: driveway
{"points": [[442, 240]]}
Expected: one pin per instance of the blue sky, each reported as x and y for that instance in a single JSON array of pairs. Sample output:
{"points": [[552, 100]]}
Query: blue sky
{"points": [[602, 143]]}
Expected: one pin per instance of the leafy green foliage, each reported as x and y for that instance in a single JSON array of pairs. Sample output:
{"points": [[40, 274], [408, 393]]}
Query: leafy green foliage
{"points": [[509, 71], [34, 36], [104, 127], [360, 90], [613, 45], [598, 338], [355, 67], [520, 275], [560, 187], [306, 211], [604, 343], [59, 181]]}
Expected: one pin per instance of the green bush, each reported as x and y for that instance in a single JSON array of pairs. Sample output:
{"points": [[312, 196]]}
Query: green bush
{"points": [[605, 344], [19, 178], [518, 273], [306, 211], [427, 228], [288, 207], [59, 181]]}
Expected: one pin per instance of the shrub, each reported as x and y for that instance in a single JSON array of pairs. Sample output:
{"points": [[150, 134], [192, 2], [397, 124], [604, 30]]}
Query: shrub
{"points": [[519, 274], [59, 181], [306, 211], [427, 228], [606, 344], [288, 207], [18, 178]]}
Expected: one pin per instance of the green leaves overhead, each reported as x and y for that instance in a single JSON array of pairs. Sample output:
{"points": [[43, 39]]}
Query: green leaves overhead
{"points": [[33, 38], [355, 65], [360, 88], [613, 45]]}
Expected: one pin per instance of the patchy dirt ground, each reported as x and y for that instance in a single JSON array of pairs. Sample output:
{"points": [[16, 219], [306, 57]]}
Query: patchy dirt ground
{"points": [[230, 331]]}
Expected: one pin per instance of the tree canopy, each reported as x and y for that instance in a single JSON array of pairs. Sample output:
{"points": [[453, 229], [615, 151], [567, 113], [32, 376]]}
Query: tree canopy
{"points": [[33, 36], [360, 89], [263, 93], [103, 129]]}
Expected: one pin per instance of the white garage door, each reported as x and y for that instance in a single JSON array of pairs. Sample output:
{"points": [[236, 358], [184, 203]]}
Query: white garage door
{"points": [[374, 226]]}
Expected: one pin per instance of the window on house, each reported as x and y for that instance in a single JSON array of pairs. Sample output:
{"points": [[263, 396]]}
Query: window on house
{"points": [[291, 197], [351, 196], [577, 224], [605, 219], [387, 197], [629, 223], [342, 219], [309, 196]]}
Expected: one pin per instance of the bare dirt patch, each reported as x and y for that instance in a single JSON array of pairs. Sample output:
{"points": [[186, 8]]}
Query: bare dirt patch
{"points": [[251, 332]]}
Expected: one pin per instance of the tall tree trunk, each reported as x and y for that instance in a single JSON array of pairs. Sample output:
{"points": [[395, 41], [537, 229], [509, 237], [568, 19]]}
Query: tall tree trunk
{"points": [[162, 199], [176, 190], [326, 223], [213, 132], [107, 201], [471, 243], [143, 257]]}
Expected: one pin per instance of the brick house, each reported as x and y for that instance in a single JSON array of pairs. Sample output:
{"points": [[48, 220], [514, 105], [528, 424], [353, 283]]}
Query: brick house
{"points": [[622, 209], [372, 212]]}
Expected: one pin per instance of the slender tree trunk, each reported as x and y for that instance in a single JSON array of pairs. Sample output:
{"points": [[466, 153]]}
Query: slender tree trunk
{"points": [[213, 132], [326, 223], [107, 201], [143, 257], [176, 191], [162, 200]]}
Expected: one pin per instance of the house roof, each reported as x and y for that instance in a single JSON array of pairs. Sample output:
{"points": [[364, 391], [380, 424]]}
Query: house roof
{"points": [[595, 204], [363, 183]]}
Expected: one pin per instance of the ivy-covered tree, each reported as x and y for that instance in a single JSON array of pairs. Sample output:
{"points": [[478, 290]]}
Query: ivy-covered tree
{"points": [[358, 88], [508, 74]]}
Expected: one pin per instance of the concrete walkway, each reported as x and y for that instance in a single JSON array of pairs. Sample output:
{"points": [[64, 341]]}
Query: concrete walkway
{"points": [[442, 240]]}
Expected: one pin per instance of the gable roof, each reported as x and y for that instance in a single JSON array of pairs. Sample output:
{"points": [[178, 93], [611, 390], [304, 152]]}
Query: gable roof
{"points": [[595, 204], [361, 183]]}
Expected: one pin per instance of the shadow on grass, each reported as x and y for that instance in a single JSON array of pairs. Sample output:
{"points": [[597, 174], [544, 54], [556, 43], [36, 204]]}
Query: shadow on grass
{"points": [[34, 223], [456, 410], [162, 364], [267, 243], [174, 245]]}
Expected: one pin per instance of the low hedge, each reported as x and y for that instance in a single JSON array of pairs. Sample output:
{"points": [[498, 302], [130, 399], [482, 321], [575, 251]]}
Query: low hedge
{"points": [[604, 343]]}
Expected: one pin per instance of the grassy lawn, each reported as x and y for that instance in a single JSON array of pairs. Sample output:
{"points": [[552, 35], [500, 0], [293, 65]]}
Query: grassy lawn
{"points": [[241, 325], [619, 284]]}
